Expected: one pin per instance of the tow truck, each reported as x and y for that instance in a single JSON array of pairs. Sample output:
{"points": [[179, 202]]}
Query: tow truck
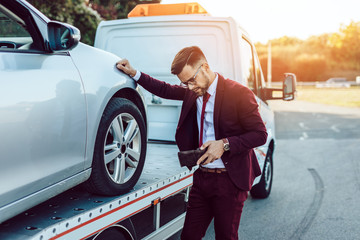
{"points": [[155, 208]]}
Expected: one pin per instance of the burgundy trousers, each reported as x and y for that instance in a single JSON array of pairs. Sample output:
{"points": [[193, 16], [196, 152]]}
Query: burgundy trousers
{"points": [[213, 195]]}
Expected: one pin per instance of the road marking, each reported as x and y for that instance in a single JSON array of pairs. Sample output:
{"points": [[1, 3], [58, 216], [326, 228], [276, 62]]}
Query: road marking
{"points": [[334, 128], [304, 136], [314, 207], [302, 125]]}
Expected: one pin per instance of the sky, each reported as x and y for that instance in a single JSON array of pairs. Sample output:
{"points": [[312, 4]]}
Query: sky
{"points": [[268, 19]]}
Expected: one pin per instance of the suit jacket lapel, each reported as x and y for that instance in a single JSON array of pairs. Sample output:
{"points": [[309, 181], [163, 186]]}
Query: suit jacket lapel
{"points": [[218, 103], [189, 101]]}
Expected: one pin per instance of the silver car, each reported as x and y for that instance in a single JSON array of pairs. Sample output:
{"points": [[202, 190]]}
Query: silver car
{"points": [[67, 115]]}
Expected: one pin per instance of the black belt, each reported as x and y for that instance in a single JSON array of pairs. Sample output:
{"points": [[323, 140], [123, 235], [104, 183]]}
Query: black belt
{"points": [[212, 170]]}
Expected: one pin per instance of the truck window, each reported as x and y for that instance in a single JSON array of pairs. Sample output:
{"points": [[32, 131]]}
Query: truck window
{"points": [[247, 62], [260, 81]]}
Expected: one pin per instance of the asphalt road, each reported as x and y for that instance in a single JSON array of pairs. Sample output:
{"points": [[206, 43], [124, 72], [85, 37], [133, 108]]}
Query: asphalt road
{"points": [[316, 187]]}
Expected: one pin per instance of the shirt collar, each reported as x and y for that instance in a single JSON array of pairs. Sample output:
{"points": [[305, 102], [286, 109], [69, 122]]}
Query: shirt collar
{"points": [[212, 88]]}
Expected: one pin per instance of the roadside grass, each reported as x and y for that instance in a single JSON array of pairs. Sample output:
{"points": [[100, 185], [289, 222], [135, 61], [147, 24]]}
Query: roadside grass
{"points": [[346, 97]]}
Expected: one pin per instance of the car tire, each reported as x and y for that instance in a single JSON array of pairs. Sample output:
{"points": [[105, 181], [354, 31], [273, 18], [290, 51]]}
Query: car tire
{"points": [[263, 188], [120, 149]]}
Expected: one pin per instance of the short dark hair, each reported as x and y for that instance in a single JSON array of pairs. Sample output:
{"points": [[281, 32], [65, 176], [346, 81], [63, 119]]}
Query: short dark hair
{"points": [[186, 56]]}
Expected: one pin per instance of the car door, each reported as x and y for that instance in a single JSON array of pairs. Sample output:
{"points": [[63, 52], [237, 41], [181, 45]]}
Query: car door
{"points": [[42, 108]]}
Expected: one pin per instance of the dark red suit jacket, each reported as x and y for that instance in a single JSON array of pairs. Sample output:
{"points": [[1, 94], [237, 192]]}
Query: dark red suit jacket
{"points": [[236, 117]]}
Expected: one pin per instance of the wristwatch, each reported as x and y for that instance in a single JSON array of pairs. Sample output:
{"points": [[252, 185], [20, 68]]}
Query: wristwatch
{"points": [[226, 144]]}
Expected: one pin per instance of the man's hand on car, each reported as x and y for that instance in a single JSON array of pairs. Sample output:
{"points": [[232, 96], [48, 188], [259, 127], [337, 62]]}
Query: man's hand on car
{"points": [[124, 65], [215, 150]]}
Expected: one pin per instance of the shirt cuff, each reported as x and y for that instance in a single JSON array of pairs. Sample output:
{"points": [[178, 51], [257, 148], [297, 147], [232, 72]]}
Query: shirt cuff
{"points": [[137, 75]]}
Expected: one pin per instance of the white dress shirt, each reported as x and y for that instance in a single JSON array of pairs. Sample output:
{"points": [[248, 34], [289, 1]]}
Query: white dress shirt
{"points": [[137, 75], [209, 130]]}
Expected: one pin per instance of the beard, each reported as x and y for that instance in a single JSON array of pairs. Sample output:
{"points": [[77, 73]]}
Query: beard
{"points": [[201, 90]]}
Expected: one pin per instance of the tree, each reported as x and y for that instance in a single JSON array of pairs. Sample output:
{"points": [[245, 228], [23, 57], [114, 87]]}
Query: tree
{"points": [[116, 9], [86, 14], [112, 9], [286, 41], [309, 67], [345, 46], [74, 12]]}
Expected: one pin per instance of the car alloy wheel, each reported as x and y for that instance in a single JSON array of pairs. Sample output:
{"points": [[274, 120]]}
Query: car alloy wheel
{"points": [[122, 148]]}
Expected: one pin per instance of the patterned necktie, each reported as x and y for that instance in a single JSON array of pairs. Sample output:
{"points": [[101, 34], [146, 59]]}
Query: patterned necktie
{"points": [[205, 100]]}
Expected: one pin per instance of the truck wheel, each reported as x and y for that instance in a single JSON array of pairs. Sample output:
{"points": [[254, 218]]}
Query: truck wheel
{"points": [[120, 149], [112, 234], [263, 188]]}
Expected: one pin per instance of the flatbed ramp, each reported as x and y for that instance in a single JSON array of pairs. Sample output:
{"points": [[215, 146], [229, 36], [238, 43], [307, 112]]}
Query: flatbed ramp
{"points": [[76, 214]]}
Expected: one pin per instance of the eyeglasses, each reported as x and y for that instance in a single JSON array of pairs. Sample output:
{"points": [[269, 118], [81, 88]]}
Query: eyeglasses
{"points": [[191, 81]]}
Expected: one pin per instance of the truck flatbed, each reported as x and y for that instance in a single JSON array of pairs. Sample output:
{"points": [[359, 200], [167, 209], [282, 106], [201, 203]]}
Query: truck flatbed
{"points": [[77, 214]]}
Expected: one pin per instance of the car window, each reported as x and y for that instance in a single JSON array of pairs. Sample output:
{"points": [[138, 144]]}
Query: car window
{"points": [[247, 63], [13, 31]]}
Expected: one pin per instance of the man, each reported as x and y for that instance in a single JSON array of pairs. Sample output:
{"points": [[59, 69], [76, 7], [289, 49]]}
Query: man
{"points": [[221, 115]]}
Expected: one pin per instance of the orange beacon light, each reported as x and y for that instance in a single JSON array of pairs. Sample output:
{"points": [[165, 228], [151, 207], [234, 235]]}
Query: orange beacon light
{"points": [[143, 10]]}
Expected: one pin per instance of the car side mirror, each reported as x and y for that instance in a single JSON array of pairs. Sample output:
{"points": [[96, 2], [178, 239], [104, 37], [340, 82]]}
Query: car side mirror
{"points": [[289, 87], [62, 36]]}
